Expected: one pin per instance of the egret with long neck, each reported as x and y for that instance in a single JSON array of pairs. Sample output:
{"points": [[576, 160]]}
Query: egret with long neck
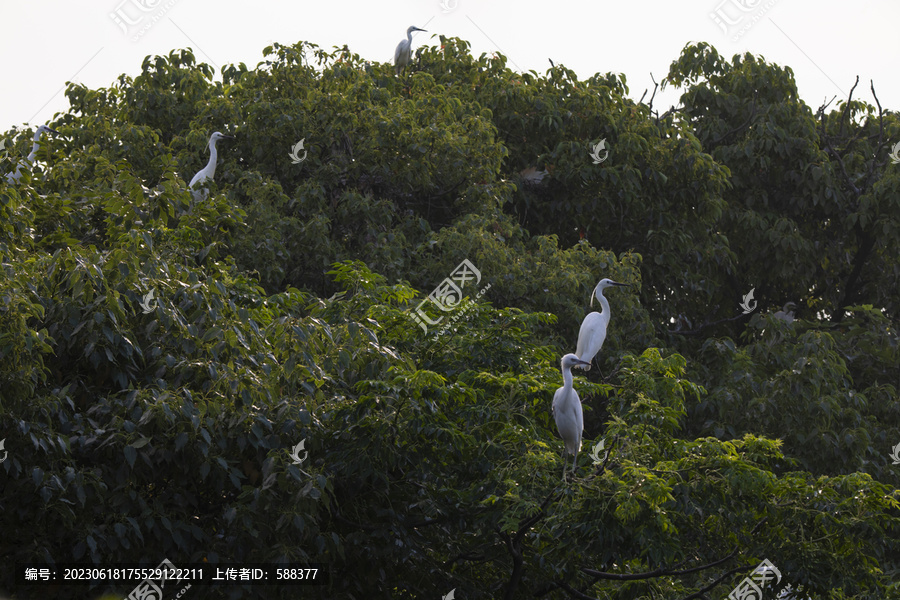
{"points": [[208, 172], [786, 314], [567, 412], [593, 329], [404, 50], [14, 177]]}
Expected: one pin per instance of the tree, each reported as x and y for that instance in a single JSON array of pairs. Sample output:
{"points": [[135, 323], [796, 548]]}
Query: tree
{"points": [[159, 358]]}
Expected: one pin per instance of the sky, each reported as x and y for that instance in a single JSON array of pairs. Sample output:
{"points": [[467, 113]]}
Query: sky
{"points": [[47, 43]]}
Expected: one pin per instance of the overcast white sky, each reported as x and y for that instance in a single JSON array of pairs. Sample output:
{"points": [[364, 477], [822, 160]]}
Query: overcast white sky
{"points": [[46, 43]]}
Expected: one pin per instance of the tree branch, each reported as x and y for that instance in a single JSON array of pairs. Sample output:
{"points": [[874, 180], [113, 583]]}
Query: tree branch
{"points": [[739, 127], [700, 329], [846, 115], [514, 544], [664, 571], [655, 87], [702, 592], [865, 239]]}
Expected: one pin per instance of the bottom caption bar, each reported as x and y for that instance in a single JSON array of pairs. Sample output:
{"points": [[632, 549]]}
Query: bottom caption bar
{"points": [[167, 574]]}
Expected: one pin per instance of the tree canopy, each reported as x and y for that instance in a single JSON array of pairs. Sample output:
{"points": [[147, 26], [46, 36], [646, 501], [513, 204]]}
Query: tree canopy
{"points": [[145, 426]]}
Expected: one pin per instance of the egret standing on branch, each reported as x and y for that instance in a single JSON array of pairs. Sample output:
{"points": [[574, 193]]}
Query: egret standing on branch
{"points": [[404, 50], [593, 329], [14, 177], [209, 171], [567, 413], [786, 314]]}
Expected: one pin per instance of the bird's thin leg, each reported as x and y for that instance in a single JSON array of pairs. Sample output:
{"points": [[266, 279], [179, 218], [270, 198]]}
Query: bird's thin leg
{"points": [[564, 463], [574, 463]]}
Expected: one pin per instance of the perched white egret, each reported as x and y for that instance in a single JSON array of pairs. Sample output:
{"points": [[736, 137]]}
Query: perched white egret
{"points": [[786, 314], [209, 171], [14, 177], [404, 50], [566, 410], [593, 329]]}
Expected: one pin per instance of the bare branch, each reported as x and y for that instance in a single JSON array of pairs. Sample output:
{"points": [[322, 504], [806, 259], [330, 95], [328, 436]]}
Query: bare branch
{"points": [[846, 115], [866, 240], [667, 571], [702, 592], [572, 591], [878, 104], [882, 143], [655, 87], [514, 544], [830, 150], [840, 161], [822, 108], [700, 329], [469, 557]]}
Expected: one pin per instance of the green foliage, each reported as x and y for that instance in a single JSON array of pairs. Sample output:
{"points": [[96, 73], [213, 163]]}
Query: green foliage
{"points": [[160, 357]]}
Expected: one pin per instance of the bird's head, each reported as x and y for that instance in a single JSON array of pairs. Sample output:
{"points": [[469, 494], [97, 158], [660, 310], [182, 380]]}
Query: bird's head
{"points": [[605, 283], [413, 28], [570, 360], [44, 129], [218, 135]]}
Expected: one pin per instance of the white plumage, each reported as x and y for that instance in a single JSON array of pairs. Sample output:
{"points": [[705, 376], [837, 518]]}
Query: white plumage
{"points": [[208, 172], [567, 412], [786, 314], [13, 177], [593, 329], [404, 50]]}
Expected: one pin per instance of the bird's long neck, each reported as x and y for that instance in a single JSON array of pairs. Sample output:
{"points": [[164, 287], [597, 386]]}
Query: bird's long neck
{"points": [[604, 304], [213, 157], [567, 380], [34, 147]]}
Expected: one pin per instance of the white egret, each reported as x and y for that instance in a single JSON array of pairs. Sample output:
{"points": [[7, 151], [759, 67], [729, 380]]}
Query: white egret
{"points": [[404, 50], [593, 329], [14, 177], [786, 314], [209, 171], [567, 413]]}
